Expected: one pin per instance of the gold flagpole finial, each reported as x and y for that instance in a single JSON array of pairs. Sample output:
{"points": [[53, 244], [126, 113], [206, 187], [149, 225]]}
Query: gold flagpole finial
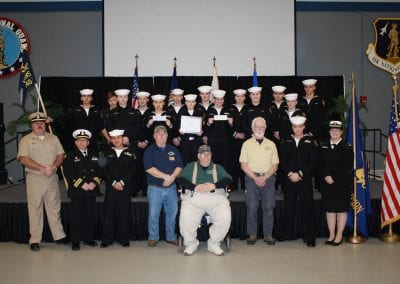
{"points": [[214, 60], [254, 61]]}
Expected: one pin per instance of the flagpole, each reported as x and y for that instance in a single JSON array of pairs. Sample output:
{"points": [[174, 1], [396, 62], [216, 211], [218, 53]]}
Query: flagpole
{"points": [[390, 236], [50, 129], [355, 238]]}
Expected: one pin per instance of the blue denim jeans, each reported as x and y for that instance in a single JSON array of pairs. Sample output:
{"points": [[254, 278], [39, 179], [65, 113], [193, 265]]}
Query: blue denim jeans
{"points": [[162, 198]]}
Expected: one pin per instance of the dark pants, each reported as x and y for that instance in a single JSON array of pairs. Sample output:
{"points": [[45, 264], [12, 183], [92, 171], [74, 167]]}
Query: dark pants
{"points": [[82, 221], [116, 215], [234, 164], [189, 149], [303, 191], [220, 154], [140, 183]]}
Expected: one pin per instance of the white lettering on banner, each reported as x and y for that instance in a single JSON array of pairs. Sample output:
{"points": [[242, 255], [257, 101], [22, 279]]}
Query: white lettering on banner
{"points": [[380, 62]]}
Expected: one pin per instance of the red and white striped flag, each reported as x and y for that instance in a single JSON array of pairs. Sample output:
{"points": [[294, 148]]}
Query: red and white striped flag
{"points": [[391, 185]]}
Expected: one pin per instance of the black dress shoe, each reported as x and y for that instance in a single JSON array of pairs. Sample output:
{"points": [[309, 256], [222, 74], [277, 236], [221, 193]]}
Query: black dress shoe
{"points": [[75, 246], [311, 244], [328, 243], [103, 245], [91, 243], [335, 244], [125, 245], [35, 247], [62, 241]]}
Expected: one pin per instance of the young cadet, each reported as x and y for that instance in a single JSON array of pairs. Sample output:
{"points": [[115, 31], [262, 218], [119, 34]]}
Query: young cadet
{"points": [[125, 118], [118, 173], [85, 116], [189, 142], [314, 107], [218, 129], [205, 96], [177, 103], [237, 109], [275, 106], [285, 126], [84, 176], [298, 160]]}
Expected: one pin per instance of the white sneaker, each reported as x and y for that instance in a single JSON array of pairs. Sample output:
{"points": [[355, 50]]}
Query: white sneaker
{"points": [[216, 250], [189, 250]]}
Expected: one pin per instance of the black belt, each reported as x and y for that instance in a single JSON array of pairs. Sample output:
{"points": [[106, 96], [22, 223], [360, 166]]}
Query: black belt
{"points": [[260, 174], [159, 186]]}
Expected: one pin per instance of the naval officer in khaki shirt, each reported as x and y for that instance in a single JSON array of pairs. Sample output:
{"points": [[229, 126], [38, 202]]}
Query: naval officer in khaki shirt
{"points": [[41, 153], [259, 160]]}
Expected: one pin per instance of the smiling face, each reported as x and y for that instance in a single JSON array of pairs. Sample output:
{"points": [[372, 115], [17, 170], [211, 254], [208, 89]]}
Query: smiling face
{"points": [[160, 137], [219, 102], [142, 101], [122, 100], [82, 143], [335, 134], [259, 126], [190, 104], [117, 141], [39, 127], [204, 159]]}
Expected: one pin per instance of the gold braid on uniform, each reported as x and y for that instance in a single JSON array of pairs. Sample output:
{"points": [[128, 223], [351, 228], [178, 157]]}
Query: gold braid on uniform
{"points": [[77, 182]]}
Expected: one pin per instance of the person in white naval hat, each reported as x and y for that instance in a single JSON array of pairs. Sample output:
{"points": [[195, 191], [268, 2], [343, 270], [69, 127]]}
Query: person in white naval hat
{"points": [[205, 96], [177, 102], [256, 108], [298, 161], [84, 176], [126, 118], [275, 106], [41, 153], [189, 142], [314, 107], [237, 109], [119, 172], [219, 129], [285, 126], [85, 116]]}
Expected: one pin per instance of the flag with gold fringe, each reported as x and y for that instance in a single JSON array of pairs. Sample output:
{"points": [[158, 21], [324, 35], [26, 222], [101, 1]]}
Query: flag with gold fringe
{"points": [[26, 77]]}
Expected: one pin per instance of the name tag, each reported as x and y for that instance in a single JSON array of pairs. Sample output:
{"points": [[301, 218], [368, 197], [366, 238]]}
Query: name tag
{"points": [[220, 117], [171, 158]]}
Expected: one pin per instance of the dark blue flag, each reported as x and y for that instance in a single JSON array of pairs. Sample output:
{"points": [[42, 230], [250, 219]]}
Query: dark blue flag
{"points": [[174, 79], [362, 203], [255, 78], [26, 77]]}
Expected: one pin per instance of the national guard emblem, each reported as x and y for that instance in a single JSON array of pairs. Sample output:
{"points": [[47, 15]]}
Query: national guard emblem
{"points": [[13, 41], [385, 53]]}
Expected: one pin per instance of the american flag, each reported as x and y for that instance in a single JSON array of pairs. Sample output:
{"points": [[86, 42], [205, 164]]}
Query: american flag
{"points": [[391, 185], [135, 86]]}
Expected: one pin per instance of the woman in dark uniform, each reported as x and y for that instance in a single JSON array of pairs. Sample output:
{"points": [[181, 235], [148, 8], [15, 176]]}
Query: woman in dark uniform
{"points": [[335, 166]]}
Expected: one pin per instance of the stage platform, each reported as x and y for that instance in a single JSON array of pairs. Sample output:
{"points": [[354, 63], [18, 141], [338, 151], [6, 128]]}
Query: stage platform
{"points": [[14, 225]]}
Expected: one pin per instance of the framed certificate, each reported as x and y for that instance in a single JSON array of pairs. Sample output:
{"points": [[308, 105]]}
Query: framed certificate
{"points": [[191, 124]]}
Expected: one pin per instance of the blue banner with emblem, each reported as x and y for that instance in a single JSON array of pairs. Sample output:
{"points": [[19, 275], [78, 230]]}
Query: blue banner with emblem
{"points": [[360, 202], [26, 78]]}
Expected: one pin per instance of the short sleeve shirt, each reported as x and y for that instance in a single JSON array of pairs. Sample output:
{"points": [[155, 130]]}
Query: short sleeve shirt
{"points": [[259, 157], [165, 159], [41, 151]]}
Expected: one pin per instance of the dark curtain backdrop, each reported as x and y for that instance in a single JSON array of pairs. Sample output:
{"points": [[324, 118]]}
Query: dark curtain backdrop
{"points": [[65, 90]]}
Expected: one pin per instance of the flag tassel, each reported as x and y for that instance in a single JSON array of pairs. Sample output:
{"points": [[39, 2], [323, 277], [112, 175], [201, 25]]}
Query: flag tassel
{"points": [[355, 238], [390, 236]]}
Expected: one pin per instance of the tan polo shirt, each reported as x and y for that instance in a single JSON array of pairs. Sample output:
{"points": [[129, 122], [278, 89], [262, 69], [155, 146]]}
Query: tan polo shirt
{"points": [[41, 151], [259, 157]]}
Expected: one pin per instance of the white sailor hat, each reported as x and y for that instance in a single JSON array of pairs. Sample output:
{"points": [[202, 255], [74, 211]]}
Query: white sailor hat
{"points": [[278, 89], [309, 82], [239, 92], [37, 116], [291, 97], [82, 133], [297, 120], [122, 92], [204, 89], [178, 92], [335, 124], [158, 97], [190, 97], [255, 89], [116, 132], [143, 94], [218, 93], [86, 92]]}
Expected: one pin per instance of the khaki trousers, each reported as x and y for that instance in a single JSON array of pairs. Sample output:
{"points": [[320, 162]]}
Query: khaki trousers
{"points": [[43, 190]]}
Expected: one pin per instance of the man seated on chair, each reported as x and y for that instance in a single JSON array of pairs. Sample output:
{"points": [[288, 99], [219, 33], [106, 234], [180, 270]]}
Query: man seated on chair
{"points": [[204, 183]]}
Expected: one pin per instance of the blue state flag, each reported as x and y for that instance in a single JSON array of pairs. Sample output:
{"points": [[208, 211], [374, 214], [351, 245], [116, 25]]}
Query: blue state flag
{"points": [[174, 79], [255, 77], [362, 203], [26, 77]]}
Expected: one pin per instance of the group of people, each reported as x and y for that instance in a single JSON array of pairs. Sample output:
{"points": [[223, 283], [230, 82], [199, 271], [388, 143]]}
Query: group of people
{"points": [[249, 146]]}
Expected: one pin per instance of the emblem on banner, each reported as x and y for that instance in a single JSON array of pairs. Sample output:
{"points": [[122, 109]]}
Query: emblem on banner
{"points": [[385, 53], [13, 40]]}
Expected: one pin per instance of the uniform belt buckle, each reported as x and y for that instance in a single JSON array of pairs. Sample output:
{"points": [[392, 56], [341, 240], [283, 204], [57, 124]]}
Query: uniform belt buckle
{"points": [[260, 174]]}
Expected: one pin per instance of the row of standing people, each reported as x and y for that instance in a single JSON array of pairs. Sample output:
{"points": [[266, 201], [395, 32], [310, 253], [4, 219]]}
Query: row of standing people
{"points": [[224, 127]]}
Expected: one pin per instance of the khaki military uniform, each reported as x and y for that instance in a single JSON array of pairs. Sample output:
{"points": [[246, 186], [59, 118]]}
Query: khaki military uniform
{"points": [[40, 188]]}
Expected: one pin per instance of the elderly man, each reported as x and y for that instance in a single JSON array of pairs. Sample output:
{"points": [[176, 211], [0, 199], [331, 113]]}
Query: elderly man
{"points": [[259, 160], [41, 153], [163, 164], [204, 184]]}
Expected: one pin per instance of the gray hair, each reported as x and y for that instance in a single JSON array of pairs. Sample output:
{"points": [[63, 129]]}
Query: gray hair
{"points": [[258, 118]]}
